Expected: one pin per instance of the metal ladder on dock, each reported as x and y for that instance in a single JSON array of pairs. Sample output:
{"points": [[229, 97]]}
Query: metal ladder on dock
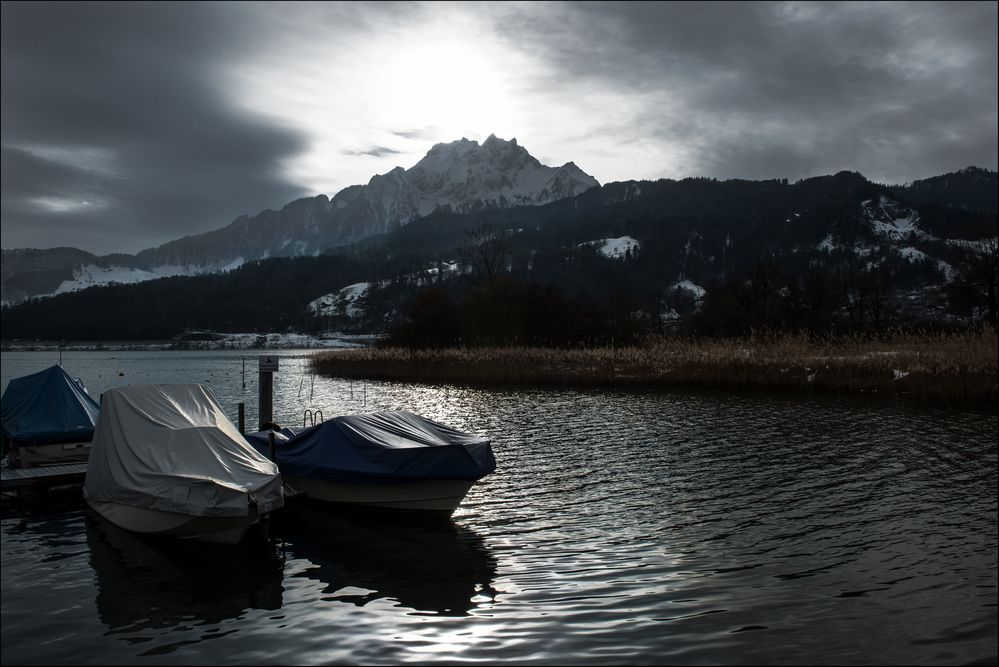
{"points": [[310, 415]]}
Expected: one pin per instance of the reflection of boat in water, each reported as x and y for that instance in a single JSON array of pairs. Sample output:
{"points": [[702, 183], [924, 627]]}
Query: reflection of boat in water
{"points": [[393, 460], [47, 418], [428, 565], [166, 460], [160, 583]]}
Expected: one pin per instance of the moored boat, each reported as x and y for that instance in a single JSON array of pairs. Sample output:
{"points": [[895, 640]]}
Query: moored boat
{"points": [[166, 460], [47, 418], [393, 460]]}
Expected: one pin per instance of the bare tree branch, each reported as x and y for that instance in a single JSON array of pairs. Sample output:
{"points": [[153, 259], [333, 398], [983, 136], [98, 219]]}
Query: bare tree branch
{"points": [[486, 251]]}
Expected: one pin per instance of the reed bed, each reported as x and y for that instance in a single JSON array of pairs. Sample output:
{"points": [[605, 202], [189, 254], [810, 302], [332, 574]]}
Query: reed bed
{"points": [[936, 369]]}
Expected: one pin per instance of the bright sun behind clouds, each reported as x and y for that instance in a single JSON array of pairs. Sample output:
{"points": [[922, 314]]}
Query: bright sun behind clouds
{"points": [[454, 87], [368, 105]]}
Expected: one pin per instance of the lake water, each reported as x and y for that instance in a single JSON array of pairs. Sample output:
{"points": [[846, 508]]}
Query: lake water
{"points": [[618, 528]]}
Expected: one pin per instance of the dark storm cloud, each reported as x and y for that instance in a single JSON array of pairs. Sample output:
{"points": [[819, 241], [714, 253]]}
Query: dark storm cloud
{"points": [[116, 134], [35, 190], [756, 89], [421, 133], [373, 151], [119, 131]]}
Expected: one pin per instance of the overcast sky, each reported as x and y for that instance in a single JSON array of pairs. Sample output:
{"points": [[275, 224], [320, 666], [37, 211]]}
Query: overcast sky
{"points": [[128, 125]]}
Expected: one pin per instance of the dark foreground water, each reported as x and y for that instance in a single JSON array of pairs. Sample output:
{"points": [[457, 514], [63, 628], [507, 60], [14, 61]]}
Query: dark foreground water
{"points": [[619, 528]]}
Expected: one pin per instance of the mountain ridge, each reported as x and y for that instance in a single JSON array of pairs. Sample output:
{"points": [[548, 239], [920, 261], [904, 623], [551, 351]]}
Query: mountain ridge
{"points": [[462, 176], [506, 172], [834, 252]]}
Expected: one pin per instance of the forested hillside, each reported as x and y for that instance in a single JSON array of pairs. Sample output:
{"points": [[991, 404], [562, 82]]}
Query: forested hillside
{"points": [[833, 253]]}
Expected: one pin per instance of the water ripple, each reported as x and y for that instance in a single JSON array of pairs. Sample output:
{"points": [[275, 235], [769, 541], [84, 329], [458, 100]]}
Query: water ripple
{"points": [[619, 527]]}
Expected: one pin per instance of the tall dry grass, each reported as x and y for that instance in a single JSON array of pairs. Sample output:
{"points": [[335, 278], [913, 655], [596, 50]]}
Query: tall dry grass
{"points": [[951, 369]]}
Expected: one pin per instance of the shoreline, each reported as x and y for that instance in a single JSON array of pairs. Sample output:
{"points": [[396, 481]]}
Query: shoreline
{"points": [[956, 371], [235, 341]]}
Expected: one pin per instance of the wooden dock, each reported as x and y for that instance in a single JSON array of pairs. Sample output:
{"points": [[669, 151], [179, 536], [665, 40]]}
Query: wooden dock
{"points": [[12, 478], [42, 486]]}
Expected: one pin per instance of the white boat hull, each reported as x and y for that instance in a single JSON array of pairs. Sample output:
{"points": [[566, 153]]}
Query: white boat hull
{"points": [[28, 456], [218, 529], [434, 495]]}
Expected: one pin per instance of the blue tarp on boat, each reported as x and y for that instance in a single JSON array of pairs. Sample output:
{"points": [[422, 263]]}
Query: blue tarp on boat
{"points": [[381, 447], [48, 407]]}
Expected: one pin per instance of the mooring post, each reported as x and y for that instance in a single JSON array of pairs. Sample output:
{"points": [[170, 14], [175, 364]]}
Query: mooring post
{"points": [[270, 445], [242, 417], [268, 365]]}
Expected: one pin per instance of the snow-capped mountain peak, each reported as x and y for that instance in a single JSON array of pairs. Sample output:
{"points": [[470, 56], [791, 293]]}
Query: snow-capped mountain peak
{"points": [[465, 176], [461, 176]]}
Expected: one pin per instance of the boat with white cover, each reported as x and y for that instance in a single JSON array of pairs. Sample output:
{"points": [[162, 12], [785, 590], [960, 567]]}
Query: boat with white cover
{"points": [[394, 460], [166, 460]]}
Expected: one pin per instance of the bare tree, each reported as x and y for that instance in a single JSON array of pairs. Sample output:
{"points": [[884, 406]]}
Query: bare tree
{"points": [[486, 250], [976, 284]]}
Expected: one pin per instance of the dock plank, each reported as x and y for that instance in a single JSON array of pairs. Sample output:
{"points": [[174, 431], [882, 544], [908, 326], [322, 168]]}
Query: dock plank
{"points": [[20, 476]]}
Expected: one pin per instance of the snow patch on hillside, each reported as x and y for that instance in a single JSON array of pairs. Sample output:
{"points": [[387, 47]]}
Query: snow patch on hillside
{"points": [[691, 287], [947, 270], [92, 275], [891, 220], [272, 341], [912, 254], [344, 300], [234, 264], [446, 268], [974, 244], [615, 248], [860, 247]]}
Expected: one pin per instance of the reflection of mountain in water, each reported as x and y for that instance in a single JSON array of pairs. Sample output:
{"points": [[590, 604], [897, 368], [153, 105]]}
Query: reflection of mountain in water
{"points": [[427, 565], [162, 582]]}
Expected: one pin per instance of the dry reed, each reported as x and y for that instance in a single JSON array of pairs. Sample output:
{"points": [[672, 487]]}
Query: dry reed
{"points": [[950, 369]]}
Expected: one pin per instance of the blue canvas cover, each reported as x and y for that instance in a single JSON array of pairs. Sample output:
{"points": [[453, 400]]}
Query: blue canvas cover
{"points": [[48, 407], [378, 448]]}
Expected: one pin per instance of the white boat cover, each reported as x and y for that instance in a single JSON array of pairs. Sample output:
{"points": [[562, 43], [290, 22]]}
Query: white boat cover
{"points": [[171, 448]]}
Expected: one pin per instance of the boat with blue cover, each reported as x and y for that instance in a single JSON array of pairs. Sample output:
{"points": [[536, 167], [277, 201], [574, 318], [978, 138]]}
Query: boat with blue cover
{"points": [[395, 460], [47, 418]]}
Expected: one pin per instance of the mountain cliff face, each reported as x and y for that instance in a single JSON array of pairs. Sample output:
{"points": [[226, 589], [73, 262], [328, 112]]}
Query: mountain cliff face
{"points": [[462, 177]]}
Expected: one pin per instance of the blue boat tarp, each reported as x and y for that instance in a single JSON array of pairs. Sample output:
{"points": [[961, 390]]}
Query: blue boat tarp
{"points": [[381, 447], [48, 407]]}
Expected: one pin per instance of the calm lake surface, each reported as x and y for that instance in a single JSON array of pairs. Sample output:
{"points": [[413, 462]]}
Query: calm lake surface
{"points": [[618, 528]]}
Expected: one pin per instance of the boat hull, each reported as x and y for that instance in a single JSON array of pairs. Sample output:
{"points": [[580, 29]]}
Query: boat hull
{"points": [[217, 529], [437, 496], [29, 456]]}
